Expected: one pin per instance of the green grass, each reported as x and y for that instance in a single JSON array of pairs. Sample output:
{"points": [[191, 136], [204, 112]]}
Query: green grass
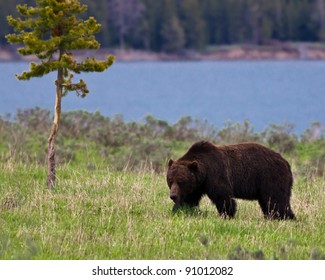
{"points": [[97, 213]]}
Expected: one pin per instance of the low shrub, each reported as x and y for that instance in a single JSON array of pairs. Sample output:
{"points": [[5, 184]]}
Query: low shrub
{"points": [[96, 139]]}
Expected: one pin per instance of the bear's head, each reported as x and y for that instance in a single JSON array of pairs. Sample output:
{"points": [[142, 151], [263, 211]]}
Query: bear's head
{"points": [[184, 180]]}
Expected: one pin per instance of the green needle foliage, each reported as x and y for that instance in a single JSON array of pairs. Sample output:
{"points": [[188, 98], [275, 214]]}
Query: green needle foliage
{"points": [[51, 31]]}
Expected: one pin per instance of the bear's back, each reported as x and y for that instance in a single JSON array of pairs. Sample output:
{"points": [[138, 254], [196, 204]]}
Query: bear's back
{"points": [[247, 158]]}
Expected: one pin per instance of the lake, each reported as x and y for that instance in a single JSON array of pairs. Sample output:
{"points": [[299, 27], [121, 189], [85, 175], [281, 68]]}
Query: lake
{"points": [[262, 92]]}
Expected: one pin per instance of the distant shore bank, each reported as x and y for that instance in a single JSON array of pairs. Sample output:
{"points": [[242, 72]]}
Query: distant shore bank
{"points": [[275, 51]]}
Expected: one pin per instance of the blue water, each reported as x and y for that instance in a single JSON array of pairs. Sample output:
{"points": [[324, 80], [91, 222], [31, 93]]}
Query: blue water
{"points": [[262, 92]]}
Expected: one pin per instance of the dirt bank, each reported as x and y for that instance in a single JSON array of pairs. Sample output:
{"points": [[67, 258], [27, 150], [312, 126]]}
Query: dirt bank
{"points": [[284, 51]]}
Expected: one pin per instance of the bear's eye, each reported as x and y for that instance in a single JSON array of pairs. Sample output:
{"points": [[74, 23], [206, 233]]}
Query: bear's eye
{"points": [[181, 183]]}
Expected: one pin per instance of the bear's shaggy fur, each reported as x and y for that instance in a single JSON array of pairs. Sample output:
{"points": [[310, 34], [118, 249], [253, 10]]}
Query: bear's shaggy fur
{"points": [[248, 171]]}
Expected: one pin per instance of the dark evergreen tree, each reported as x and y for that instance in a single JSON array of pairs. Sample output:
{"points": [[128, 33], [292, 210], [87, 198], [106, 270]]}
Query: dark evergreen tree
{"points": [[171, 32], [321, 19], [127, 17], [190, 15]]}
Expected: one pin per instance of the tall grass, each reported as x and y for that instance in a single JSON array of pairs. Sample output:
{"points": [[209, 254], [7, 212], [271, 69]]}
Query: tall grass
{"points": [[97, 213]]}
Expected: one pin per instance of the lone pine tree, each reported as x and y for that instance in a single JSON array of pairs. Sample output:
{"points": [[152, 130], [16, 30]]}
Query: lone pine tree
{"points": [[51, 31]]}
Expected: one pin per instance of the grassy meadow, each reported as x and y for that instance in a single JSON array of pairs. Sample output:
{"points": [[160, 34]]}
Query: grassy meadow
{"points": [[100, 214], [100, 211]]}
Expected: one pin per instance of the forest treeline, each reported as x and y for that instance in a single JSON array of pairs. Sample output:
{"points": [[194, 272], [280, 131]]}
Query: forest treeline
{"points": [[174, 25]]}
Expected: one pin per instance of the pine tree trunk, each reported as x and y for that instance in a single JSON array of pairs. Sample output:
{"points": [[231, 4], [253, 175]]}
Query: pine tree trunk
{"points": [[52, 139]]}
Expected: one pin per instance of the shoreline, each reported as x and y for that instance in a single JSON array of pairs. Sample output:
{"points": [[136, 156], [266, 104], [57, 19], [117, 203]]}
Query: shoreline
{"points": [[275, 51]]}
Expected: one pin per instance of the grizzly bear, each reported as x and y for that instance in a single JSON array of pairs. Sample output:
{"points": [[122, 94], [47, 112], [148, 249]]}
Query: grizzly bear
{"points": [[247, 171]]}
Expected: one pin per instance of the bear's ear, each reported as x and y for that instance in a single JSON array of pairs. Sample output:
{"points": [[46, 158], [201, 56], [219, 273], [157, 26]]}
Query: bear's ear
{"points": [[193, 166], [170, 162]]}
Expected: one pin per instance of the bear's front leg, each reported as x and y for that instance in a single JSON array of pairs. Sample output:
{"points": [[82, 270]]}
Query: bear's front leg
{"points": [[222, 197], [226, 206]]}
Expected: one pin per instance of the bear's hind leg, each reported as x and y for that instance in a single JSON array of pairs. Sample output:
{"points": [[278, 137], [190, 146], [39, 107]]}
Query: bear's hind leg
{"points": [[265, 208], [269, 208], [289, 215], [273, 209], [285, 212], [227, 207]]}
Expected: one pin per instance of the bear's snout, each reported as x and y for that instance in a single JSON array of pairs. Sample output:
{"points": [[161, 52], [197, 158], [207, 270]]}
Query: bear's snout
{"points": [[173, 197]]}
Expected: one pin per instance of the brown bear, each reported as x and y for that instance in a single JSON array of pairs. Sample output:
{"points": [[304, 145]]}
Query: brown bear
{"points": [[248, 171]]}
